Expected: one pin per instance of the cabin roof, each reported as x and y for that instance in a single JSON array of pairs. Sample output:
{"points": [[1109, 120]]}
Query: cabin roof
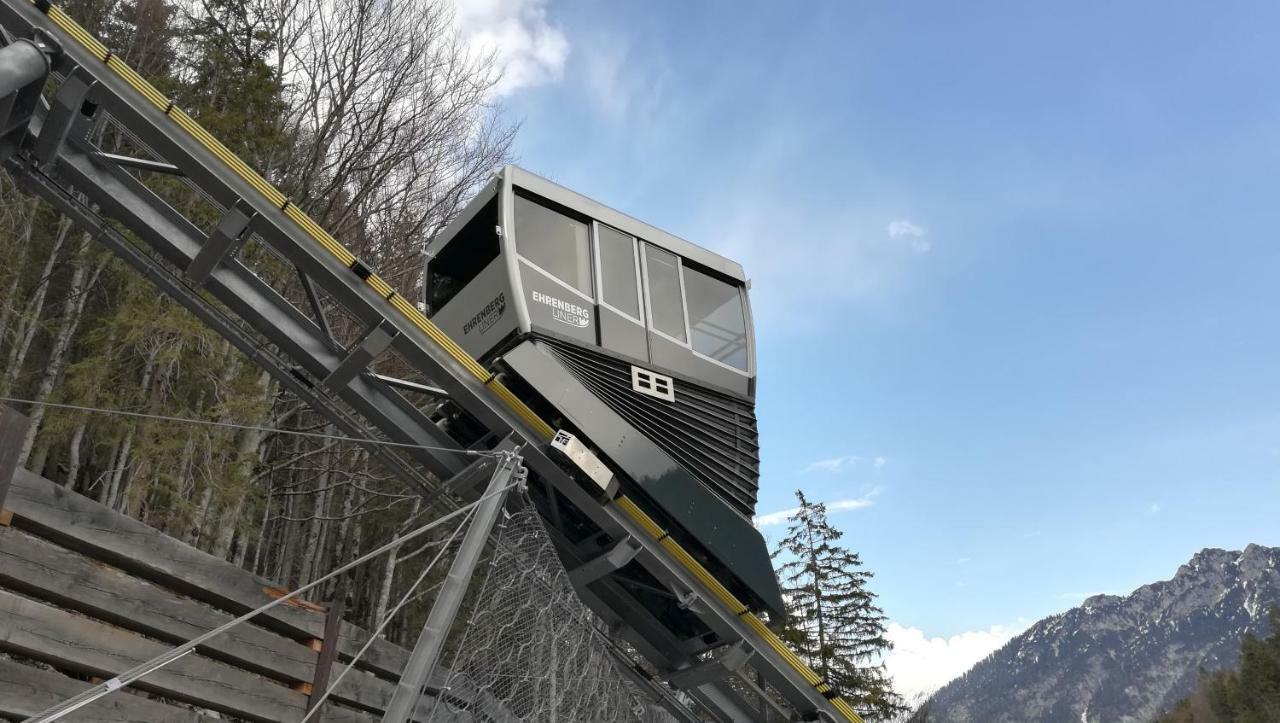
{"points": [[551, 191]]}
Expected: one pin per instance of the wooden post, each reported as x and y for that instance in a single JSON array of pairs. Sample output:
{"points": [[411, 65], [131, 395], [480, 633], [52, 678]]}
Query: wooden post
{"points": [[329, 647], [13, 428]]}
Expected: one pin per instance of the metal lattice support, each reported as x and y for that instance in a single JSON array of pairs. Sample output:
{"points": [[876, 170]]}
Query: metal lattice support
{"points": [[531, 649]]}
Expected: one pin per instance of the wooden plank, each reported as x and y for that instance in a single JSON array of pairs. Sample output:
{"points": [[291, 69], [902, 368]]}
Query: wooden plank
{"points": [[13, 428], [45, 571], [76, 522], [26, 691], [42, 570], [76, 643]]}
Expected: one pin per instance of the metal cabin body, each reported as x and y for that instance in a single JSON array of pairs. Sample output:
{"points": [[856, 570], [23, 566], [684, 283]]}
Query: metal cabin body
{"points": [[638, 341]]}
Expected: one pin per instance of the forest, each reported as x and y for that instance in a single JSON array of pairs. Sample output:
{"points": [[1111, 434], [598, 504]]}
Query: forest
{"points": [[377, 121], [1249, 693]]}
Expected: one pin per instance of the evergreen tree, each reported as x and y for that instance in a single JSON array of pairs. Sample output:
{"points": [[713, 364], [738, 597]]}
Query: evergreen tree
{"points": [[1249, 694], [833, 621]]}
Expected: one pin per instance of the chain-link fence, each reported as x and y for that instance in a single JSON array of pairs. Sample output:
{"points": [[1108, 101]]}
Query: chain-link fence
{"points": [[531, 651]]}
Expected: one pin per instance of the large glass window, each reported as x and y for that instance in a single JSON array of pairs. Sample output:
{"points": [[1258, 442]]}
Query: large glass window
{"points": [[555, 242], [618, 281], [717, 321], [665, 300], [466, 255]]}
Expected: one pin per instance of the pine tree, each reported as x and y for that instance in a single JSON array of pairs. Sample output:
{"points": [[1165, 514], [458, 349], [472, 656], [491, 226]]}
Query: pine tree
{"points": [[833, 620]]}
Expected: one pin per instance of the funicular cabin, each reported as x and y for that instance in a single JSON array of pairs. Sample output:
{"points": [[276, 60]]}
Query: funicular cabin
{"points": [[654, 328]]}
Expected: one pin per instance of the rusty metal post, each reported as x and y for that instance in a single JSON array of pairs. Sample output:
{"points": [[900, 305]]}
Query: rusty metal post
{"points": [[329, 647]]}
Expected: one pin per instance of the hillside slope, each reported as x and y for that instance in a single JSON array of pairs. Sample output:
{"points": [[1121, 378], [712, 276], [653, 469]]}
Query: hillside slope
{"points": [[1123, 658]]}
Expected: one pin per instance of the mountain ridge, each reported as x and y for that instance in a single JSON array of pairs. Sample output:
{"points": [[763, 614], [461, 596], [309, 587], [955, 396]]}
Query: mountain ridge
{"points": [[1123, 658]]}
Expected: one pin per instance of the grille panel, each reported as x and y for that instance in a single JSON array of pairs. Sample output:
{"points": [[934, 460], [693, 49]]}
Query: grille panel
{"points": [[712, 435]]}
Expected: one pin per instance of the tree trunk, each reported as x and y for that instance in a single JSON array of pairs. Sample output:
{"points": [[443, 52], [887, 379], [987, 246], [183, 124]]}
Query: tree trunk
{"points": [[30, 324], [311, 540], [73, 454], [40, 458], [114, 493], [10, 298], [262, 528], [82, 283], [104, 491], [249, 453], [384, 590], [342, 543]]}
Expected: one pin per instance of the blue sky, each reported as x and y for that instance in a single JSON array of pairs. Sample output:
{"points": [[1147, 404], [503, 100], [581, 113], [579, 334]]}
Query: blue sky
{"points": [[1023, 256]]}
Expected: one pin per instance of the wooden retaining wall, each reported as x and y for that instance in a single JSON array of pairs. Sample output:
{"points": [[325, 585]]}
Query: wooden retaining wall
{"points": [[87, 593]]}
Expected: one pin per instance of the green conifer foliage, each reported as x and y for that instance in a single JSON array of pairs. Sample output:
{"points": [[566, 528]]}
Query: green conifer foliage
{"points": [[833, 621], [1248, 694]]}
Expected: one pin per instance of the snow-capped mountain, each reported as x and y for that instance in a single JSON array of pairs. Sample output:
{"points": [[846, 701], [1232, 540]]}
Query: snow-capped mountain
{"points": [[1123, 658]]}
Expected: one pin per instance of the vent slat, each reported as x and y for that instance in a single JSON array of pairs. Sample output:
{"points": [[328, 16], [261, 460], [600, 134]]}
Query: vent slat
{"points": [[712, 435]]}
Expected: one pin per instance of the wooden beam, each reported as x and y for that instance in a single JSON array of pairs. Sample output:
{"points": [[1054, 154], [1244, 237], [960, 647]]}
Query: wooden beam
{"points": [[13, 429], [26, 690], [49, 511], [71, 642]]}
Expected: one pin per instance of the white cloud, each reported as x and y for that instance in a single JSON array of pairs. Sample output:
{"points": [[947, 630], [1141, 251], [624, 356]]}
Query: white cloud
{"points": [[528, 48], [914, 235], [833, 464], [920, 665], [780, 517], [961, 560], [1154, 508], [881, 462], [854, 504]]}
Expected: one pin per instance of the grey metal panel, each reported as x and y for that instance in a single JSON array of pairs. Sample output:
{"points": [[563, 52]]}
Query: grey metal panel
{"points": [[507, 212], [620, 334], [681, 360], [481, 314], [563, 196], [727, 535], [556, 308], [711, 434]]}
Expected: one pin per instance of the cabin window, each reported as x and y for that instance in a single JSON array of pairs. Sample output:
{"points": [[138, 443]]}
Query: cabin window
{"points": [[717, 321], [666, 302], [467, 254], [554, 242], [618, 283]]}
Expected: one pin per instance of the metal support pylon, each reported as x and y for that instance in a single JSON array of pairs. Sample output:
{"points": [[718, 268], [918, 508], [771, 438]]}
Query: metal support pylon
{"points": [[426, 652]]}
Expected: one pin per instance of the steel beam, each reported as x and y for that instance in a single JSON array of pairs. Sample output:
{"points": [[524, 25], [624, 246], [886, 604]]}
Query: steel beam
{"points": [[224, 240], [360, 355], [64, 112], [141, 164], [617, 556], [426, 652]]}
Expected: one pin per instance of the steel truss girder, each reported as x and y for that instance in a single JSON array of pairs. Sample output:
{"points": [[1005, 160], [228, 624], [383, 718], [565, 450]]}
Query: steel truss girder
{"points": [[171, 285], [179, 242], [302, 343]]}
